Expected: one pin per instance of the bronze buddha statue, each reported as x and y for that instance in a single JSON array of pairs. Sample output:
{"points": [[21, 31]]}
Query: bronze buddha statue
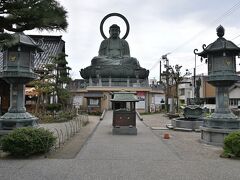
{"points": [[114, 59]]}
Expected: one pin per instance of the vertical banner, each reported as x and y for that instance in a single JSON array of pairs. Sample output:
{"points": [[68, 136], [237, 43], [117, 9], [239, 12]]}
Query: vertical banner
{"points": [[141, 98]]}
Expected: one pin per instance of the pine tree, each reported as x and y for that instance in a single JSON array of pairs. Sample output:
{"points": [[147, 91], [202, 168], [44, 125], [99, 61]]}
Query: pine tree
{"points": [[60, 77], [21, 15]]}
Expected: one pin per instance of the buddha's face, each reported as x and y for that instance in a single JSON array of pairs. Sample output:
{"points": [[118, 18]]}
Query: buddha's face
{"points": [[114, 32]]}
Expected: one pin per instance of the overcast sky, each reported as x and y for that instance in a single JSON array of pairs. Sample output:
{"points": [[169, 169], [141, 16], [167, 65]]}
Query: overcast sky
{"points": [[157, 27]]}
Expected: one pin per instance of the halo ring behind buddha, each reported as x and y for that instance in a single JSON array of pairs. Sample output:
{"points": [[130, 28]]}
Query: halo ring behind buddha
{"points": [[110, 15]]}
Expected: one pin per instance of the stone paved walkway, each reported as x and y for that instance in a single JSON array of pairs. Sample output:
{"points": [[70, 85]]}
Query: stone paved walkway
{"points": [[125, 157]]}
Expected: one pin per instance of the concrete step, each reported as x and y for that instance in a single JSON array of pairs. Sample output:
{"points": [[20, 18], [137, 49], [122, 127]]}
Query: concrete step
{"points": [[183, 129], [159, 128]]}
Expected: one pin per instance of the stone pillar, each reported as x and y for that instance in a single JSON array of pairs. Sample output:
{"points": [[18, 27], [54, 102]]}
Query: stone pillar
{"points": [[17, 98], [16, 116], [137, 77], [147, 102], [99, 81], [138, 81], [90, 81], [222, 100], [110, 81], [146, 82]]}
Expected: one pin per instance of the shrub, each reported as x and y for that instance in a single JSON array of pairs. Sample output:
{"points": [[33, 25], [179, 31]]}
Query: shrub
{"points": [[53, 107], [47, 118], [64, 116], [232, 145], [28, 141]]}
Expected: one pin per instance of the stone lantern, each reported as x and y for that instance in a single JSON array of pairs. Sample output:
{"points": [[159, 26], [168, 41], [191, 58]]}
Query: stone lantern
{"points": [[18, 59], [221, 59]]}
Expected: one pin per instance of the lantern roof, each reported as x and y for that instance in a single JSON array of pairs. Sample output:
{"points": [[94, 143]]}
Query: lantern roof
{"points": [[220, 45], [125, 97], [20, 38]]}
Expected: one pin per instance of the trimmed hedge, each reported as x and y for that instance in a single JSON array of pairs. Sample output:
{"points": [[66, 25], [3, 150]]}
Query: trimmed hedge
{"points": [[28, 141], [232, 145]]}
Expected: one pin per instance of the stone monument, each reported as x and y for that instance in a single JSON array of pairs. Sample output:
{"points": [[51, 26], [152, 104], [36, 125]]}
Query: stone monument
{"points": [[192, 113], [191, 121], [197, 91], [221, 60], [114, 65]]}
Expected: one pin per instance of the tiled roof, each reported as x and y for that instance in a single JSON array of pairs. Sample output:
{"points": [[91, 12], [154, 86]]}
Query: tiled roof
{"points": [[93, 94], [52, 45]]}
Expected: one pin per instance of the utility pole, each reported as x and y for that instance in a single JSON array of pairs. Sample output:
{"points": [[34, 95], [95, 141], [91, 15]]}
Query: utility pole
{"points": [[164, 57], [160, 71]]}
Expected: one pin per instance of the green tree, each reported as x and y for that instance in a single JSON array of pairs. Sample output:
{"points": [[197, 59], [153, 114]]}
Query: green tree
{"points": [[44, 86], [60, 78], [52, 82], [21, 15], [177, 77]]}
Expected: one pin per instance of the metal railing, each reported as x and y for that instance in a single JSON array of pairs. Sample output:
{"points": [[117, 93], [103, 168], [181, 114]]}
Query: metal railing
{"points": [[68, 130]]}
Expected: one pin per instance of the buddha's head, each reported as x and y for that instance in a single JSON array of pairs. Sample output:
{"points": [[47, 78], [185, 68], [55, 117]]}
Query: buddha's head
{"points": [[114, 31]]}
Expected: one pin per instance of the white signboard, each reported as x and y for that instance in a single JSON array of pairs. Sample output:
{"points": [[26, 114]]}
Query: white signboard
{"points": [[159, 99], [78, 101]]}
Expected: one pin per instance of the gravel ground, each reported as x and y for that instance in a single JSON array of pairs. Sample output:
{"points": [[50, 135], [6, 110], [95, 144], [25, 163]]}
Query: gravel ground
{"points": [[186, 145], [145, 156]]}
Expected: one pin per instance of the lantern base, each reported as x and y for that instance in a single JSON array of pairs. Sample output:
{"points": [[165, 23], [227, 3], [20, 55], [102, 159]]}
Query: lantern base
{"points": [[222, 121], [214, 136], [216, 127], [192, 124], [10, 121]]}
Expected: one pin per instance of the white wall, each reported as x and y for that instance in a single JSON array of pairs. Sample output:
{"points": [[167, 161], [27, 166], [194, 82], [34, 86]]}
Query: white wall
{"points": [[234, 93]]}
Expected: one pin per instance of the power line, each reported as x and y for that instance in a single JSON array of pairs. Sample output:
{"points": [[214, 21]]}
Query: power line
{"points": [[220, 18], [191, 69], [227, 13], [154, 65], [162, 58], [235, 37]]}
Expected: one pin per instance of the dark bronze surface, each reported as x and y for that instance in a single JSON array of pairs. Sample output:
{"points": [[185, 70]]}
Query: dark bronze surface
{"points": [[114, 58]]}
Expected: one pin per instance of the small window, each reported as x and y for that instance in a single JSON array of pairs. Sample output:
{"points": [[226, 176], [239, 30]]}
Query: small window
{"points": [[182, 92], [94, 102]]}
